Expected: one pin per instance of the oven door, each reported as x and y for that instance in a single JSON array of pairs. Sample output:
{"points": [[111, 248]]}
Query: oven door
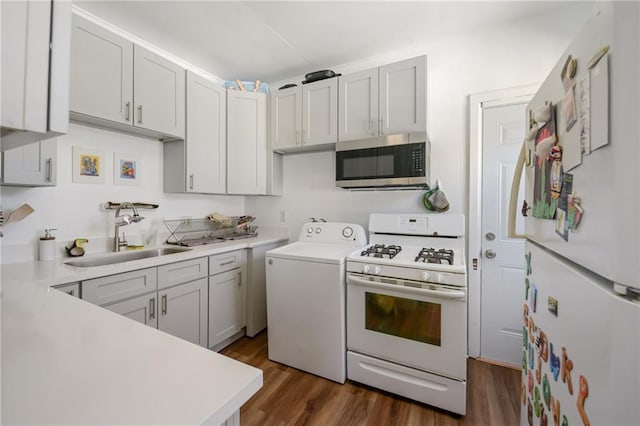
{"points": [[394, 320], [393, 165]]}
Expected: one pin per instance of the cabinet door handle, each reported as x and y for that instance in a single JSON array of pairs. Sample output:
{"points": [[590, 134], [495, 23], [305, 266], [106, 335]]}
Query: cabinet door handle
{"points": [[190, 181], [139, 114], [239, 278], [152, 308], [298, 137], [227, 263], [48, 168], [70, 292], [381, 123], [164, 304], [127, 111]]}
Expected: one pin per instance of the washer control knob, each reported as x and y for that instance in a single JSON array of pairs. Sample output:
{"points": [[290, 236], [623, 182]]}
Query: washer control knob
{"points": [[439, 278], [347, 232], [318, 230], [376, 270], [365, 269], [309, 230], [426, 276]]}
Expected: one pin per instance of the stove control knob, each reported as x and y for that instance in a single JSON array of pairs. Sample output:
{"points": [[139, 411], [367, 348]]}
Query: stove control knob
{"points": [[347, 232], [309, 230], [365, 269], [426, 276], [376, 270], [318, 230], [439, 278]]}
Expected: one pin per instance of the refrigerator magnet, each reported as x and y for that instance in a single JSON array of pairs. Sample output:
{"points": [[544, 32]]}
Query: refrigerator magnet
{"points": [[554, 363], [567, 366], [552, 305], [527, 258], [546, 391], [526, 288], [534, 297]]}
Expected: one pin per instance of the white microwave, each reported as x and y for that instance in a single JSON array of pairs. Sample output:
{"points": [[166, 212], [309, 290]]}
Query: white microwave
{"points": [[394, 161]]}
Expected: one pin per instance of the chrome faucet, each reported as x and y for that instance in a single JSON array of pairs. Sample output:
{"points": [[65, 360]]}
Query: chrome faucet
{"points": [[123, 220]]}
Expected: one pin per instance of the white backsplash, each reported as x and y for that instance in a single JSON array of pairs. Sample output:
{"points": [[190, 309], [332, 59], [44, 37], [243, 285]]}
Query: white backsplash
{"points": [[75, 209]]}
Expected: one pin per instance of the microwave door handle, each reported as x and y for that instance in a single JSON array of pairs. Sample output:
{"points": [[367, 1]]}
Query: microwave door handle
{"points": [[443, 294], [515, 189]]}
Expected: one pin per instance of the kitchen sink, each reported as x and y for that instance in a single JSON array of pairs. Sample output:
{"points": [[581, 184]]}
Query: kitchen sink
{"points": [[128, 256]]}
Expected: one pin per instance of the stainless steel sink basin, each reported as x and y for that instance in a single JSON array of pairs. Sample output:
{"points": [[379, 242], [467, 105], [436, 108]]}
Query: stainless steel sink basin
{"points": [[128, 256]]}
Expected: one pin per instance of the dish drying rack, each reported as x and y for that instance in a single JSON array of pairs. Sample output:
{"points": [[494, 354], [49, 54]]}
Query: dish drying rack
{"points": [[194, 232]]}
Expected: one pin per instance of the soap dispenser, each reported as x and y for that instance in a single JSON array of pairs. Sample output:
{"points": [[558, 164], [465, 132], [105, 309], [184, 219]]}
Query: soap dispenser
{"points": [[47, 247]]}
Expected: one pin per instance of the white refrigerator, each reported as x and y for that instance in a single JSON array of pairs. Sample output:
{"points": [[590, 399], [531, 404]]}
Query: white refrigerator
{"points": [[581, 296]]}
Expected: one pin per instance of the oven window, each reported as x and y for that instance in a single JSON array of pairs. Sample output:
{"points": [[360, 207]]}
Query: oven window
{"points": [[407, 318]]}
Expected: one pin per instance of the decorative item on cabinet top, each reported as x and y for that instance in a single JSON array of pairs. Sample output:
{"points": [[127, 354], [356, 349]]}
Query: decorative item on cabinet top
{"points": [[215, 228], [247, 86]]}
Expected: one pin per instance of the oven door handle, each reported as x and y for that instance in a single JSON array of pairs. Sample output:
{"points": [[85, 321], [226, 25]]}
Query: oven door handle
{"points": [[443, 294]]}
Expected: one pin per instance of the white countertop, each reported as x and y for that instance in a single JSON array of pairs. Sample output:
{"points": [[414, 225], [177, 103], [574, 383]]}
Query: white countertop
{"points": [[66, 361]]}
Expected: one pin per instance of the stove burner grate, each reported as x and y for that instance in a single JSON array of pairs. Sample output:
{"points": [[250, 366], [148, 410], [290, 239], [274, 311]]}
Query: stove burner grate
{"points": [[431, 255], [381, 251]]}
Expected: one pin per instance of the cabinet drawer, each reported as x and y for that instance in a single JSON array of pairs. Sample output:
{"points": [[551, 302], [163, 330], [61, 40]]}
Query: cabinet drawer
{"points": [[181, 272], [226, 261], [121, 286], [72, 289]]}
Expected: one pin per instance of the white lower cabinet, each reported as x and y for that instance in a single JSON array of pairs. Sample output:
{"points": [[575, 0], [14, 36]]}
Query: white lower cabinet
{"points": [[142, 309], [227, 296], [72, 289], [183, 311], [172, 297]]}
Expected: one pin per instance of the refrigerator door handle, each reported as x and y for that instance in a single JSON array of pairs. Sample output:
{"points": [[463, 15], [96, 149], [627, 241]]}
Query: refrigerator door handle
{"points": [[515, 189]]}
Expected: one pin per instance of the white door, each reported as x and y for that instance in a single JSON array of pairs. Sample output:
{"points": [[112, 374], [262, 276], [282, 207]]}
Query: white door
{"points": [[358, 105], [142, 309], [246, 143], [31, 165], [226, 315], [286, 118], [502, 261], [183, 311], [320, 112], [403, 96], [101, 72], [206, 136], [159, 93]]}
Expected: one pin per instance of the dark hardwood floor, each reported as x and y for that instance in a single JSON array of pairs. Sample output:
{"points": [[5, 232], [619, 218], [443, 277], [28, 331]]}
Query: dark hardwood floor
{"points": [[290, 396]]}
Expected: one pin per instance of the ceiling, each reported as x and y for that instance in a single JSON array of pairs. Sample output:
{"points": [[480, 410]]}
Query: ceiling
{"points": [[270, 41]]}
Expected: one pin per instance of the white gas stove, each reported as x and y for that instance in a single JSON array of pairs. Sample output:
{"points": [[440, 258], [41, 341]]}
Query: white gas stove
{"points": [[421, 247], [407, 308]]}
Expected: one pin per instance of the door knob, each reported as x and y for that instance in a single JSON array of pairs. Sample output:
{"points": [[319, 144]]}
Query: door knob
{"points": [[490, 236], [490, 254]]}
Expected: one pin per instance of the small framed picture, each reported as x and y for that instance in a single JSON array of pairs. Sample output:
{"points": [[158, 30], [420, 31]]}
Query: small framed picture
{"points": [[88, 165], [126, 169]]}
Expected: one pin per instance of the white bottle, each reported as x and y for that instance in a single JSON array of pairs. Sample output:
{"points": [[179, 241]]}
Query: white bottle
{"points": [[47, 247]]}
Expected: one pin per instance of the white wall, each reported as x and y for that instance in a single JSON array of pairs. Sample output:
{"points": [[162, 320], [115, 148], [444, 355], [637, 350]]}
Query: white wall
{"points": [[75, 208], [499, 57]]}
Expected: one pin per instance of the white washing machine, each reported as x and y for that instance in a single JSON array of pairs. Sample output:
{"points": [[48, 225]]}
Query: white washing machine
{"points": [[306, 298]]}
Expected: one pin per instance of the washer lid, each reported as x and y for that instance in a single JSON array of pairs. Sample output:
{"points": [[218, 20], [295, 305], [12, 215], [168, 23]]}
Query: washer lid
{"points": [[312, 252]]}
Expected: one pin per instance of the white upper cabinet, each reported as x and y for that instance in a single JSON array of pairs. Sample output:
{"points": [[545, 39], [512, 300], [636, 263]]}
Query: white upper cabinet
{"points": [[35, 70], [117, 84], [320, 112], [30, 165], [286, 118], [101, 72], [383, 101], [198, 163], [246, 143], [358, 105], [403, 96], [305, 118], [159, 92], [206, 136]]}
